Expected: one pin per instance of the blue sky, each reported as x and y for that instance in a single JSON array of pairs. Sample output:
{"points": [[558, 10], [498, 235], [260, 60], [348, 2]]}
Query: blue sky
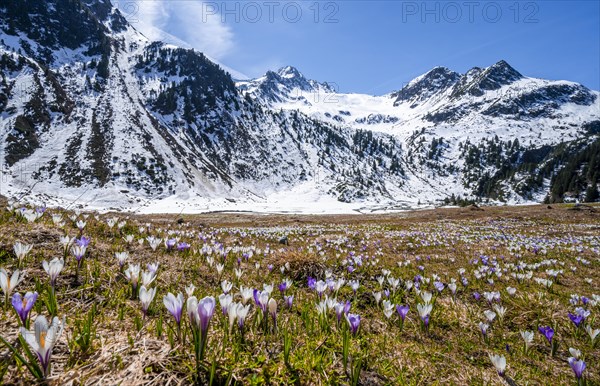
{"points": [[376, 46]]}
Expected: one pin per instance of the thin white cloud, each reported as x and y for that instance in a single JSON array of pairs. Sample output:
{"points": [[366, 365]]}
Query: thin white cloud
{"points": [[183, 21]]}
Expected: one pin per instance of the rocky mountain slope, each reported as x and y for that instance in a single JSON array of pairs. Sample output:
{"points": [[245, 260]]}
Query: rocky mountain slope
{"points": [[489, 134], [92, 113]]}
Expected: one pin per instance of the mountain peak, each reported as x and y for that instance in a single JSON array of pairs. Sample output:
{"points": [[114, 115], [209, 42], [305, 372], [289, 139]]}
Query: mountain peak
{"points": [[284, 84], [502, 64], [503, 71], [423, 87], [477, 80], [289, 72], [439, 69]]}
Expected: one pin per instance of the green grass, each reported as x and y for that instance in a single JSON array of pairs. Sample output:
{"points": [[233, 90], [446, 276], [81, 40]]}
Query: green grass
{"points": [[108, 340]]}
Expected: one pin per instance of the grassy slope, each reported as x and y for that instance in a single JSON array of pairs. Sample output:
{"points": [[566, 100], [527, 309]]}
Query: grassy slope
{"points": [[453, 352]]}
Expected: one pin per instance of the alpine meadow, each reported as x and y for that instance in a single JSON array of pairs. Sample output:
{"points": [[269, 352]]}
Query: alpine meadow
{"points": [[166, 219]]}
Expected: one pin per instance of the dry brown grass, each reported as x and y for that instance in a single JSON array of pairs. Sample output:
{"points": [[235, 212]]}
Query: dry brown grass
{"points": [[452, 353]]}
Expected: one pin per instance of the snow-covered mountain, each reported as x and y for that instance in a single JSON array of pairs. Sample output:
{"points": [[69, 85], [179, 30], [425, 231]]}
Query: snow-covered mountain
{"points": [[285, 85], [93, 113], [442, 116]]}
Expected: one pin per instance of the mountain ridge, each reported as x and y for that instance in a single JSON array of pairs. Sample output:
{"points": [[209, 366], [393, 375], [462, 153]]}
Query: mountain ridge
{"points": [[101, 115]]}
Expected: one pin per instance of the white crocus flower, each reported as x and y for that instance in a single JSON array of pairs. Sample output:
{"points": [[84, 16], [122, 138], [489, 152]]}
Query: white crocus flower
{"points": [[147, 278], [424, 310], [527, 336], [242, 313], [189, 290], [53, 268], [191, 308], [21, 250], [238, 273], [426, 296], [499, 363], [132, 273], [322, 307], [65, 242], [146, 297], [388, 308], [575, 353], [56, 219], [592, 333], [232, 312], [246, 293], [8, 283], [43, 339], [225, 301], [490, 315], [377, 296], [226, 286], [122, 257], [500, 310], [268, 288]]}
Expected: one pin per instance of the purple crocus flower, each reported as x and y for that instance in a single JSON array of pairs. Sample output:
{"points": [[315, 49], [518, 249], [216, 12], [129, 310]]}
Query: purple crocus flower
{"points": [[201, 317], [578, 366], [402, 311], [353, 322], [347, 307], [585, 301], [483, 327], [350, 269], [282, 287], [79, 253], [175, 305], [206, 310], [386, 292], [256, 294], [312, 282], [439, 286], [548, 332], [289, 300], [261, 298], [24, 304], [182, 246], [170, 243], [330, 284], [576, 319], [270, 267], [476, 295], [83, 241], [582, 312]]}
